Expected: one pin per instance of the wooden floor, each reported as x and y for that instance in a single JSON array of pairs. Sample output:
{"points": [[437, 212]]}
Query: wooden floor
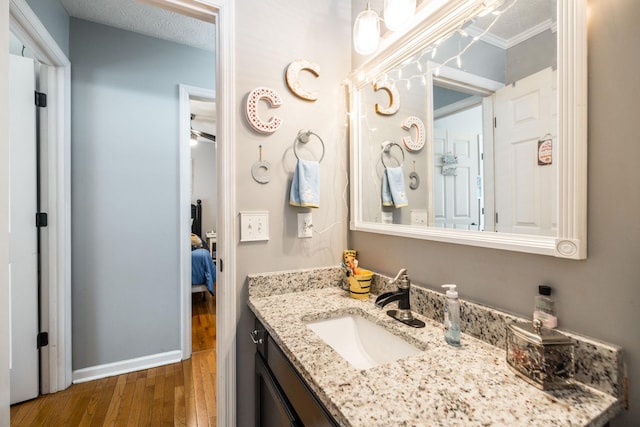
{"points": [[181, 394]]}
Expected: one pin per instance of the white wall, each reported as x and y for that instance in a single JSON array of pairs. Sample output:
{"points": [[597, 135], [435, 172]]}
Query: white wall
{"points": [[204, 187], [4, 216], [270, 34]]}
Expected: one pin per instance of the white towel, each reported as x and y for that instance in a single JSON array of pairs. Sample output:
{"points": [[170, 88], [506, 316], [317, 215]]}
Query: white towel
{"points": [[393, 193], [305, 186]]}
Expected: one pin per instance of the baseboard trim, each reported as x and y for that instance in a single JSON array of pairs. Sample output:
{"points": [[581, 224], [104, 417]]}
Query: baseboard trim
{"points": [[126, 366]]}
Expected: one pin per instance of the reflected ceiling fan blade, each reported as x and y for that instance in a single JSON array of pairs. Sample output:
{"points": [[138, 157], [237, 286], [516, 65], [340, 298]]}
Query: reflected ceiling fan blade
{"points": [[204, 135]]}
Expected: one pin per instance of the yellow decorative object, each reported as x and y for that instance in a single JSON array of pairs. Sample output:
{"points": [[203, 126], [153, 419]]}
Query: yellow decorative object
{"points": [[360, 284], [348, 255]]}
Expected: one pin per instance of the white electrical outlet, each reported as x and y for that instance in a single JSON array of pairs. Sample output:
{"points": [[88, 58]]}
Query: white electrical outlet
{"points": [[305, 225], [254, 226], [418, 217], [387, 217]]}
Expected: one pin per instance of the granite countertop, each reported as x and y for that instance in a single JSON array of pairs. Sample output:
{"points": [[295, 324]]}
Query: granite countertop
{"points": [[470, 385]]}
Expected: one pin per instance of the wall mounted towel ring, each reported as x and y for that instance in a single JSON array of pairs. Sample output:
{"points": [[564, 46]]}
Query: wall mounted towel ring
{"points": [[303, 137], [386, 148]]}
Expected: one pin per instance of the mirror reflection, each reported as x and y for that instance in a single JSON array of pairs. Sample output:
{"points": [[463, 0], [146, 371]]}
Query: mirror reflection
{"points": [[485, 95]]}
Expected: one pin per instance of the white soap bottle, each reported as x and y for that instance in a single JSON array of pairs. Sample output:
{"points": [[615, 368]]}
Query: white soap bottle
{"points": [[452, 316]]}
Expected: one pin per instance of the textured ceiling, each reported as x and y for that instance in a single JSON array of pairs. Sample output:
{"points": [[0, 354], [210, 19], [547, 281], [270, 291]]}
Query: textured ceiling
{"points": [[145, 19]]}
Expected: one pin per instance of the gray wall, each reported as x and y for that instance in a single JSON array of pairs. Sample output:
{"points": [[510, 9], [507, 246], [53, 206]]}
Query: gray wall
{"points": [[124, 178], [55, 18], [270, 34], [531, 56], [598, 297]]}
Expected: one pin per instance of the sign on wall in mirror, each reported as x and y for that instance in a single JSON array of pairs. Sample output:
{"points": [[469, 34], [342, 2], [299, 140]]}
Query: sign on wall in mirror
{"points": [[479, 82]]}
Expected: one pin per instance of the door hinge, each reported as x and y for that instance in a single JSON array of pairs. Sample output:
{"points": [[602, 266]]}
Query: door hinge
{"points": [[41, 219], [495, 122], [221, 265], [496, 217], [43, 339], [41, 99]]}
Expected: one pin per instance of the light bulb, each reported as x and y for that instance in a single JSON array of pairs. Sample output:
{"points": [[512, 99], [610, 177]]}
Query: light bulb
{"points": [[398, 13], [366, 32]]}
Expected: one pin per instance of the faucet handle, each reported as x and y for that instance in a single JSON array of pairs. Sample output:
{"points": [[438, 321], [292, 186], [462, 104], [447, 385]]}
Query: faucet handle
{"points": [[402, 272]]}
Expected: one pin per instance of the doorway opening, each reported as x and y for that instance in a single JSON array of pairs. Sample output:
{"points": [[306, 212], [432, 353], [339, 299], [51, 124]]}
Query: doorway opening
{"points": [[203, 147]]}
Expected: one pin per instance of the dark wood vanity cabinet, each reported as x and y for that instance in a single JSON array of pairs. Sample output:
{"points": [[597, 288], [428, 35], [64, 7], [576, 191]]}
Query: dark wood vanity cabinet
{"points": [[282, 396]]}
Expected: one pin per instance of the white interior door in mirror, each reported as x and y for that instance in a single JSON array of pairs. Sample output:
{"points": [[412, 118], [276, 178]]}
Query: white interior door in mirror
{"points": [[457, 201], [525, 190]]}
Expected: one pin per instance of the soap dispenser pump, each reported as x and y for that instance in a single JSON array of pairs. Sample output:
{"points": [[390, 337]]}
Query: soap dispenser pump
{"points": [[452, 316]]}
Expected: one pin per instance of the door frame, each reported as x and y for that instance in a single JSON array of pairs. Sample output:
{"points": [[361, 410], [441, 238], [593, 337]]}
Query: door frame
{"points": [[227, 293], [56, 357], [186, 93]]}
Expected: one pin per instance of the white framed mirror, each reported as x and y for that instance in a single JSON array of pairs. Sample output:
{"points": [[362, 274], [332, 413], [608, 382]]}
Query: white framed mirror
{"points": [[500, 87]]}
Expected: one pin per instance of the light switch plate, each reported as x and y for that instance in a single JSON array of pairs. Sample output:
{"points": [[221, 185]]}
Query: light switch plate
{"points": [[305, 225], [254, 226]]}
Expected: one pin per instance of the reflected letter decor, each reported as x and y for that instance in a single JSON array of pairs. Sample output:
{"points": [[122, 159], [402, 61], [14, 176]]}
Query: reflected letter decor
{"points": [[394, 98], [413, 121]]}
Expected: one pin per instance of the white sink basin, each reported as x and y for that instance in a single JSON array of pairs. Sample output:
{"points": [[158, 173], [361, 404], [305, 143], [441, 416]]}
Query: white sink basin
{"points": [[361, 342]]}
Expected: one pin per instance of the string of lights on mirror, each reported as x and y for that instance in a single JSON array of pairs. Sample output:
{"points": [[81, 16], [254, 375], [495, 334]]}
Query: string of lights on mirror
{"points": [[495, 9]]}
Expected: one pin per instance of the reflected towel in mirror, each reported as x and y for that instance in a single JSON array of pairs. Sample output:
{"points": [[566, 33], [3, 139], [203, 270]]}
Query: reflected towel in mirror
{"points": [[393, 193], [305, 186]]}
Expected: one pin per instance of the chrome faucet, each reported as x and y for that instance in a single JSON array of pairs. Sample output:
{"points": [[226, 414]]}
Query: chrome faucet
{"points": [[403, 313]]}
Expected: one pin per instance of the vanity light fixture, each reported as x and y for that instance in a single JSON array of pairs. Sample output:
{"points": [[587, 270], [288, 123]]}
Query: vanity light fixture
{"points": [[366, 31], [398, 13], [366, 28]]}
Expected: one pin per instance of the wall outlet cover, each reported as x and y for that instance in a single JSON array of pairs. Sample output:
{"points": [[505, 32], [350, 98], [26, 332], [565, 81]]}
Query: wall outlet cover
{"points": [[305, 225], [254, 226], [418, 217]]}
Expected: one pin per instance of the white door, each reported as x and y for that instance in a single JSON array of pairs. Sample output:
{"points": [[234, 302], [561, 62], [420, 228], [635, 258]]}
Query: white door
{"points": [[23, 257], [525, 196], [456, 191]]}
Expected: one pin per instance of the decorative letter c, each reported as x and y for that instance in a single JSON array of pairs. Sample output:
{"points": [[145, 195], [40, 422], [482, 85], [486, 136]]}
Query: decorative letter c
{"points": [[292, 78], [251, 109]]}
